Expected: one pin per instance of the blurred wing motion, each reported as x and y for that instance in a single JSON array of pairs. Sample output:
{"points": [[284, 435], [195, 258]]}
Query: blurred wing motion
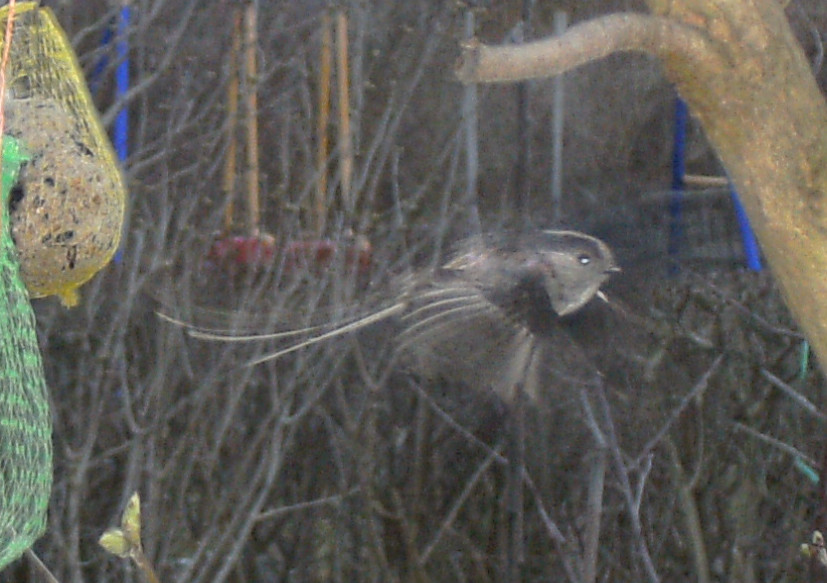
{"points": [[68, 205], [314, 334], [491, 318], [452, 331]]}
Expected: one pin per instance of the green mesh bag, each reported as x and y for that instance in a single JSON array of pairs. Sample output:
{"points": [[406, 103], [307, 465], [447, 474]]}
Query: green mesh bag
{"points": [[25, 422]]}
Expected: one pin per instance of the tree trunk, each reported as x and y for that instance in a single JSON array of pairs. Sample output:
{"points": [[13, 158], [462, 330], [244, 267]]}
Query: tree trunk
{"points": [[746, 79]]}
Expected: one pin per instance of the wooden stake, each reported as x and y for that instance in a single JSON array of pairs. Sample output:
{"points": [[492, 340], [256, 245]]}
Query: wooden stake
{"points": [[702, 181], [326, 64], [229, 179], [344, 145], [251, 83]]}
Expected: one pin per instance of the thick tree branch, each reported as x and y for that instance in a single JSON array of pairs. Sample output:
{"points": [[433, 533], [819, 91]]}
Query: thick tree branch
{"points": [[581, 44]]}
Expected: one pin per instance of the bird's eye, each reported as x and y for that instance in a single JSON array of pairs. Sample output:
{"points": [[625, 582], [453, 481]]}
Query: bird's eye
{"points": [[584, 259]]}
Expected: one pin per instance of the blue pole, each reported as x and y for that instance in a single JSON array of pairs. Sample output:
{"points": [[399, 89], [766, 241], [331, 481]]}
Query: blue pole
{"points": [[121, 133], [751, 250], [678, 172], [121, 130], [679, 147], [103, 62]]}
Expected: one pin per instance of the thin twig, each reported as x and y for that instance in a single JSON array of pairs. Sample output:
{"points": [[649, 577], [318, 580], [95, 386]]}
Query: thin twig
{"points": [[690, 513], [632, 496], [279, 512], [800, 399], [785, 447], [40, 566], [699, 388], [457, 505], [594, 512]]}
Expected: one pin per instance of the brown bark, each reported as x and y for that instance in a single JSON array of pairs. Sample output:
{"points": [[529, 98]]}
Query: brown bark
{"points": [[746, 79]]}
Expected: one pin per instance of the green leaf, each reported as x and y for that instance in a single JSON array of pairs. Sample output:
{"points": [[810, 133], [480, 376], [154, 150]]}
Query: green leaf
{"points": [[114, 541], [131, 521]]}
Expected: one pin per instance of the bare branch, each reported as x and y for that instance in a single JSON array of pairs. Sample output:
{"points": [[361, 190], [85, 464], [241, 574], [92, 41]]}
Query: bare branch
{"points": [[581, 44]]}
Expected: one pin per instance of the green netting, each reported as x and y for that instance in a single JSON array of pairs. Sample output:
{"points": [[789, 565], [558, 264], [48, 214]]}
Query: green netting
{"points": [[25, 423]]}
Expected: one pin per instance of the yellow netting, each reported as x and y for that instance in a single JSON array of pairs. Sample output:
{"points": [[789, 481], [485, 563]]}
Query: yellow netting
{"points": [[68, 208]]}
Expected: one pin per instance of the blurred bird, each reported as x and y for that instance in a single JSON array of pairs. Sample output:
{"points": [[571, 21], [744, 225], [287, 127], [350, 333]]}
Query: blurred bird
{"points": [[490, 317]]}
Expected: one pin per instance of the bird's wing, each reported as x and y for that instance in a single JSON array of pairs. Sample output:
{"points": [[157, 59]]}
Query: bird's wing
{"points": [[452, 331]]}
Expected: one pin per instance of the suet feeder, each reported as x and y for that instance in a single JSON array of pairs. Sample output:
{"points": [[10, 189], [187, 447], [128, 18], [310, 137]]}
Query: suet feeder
{"points": [[68, 206]]}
